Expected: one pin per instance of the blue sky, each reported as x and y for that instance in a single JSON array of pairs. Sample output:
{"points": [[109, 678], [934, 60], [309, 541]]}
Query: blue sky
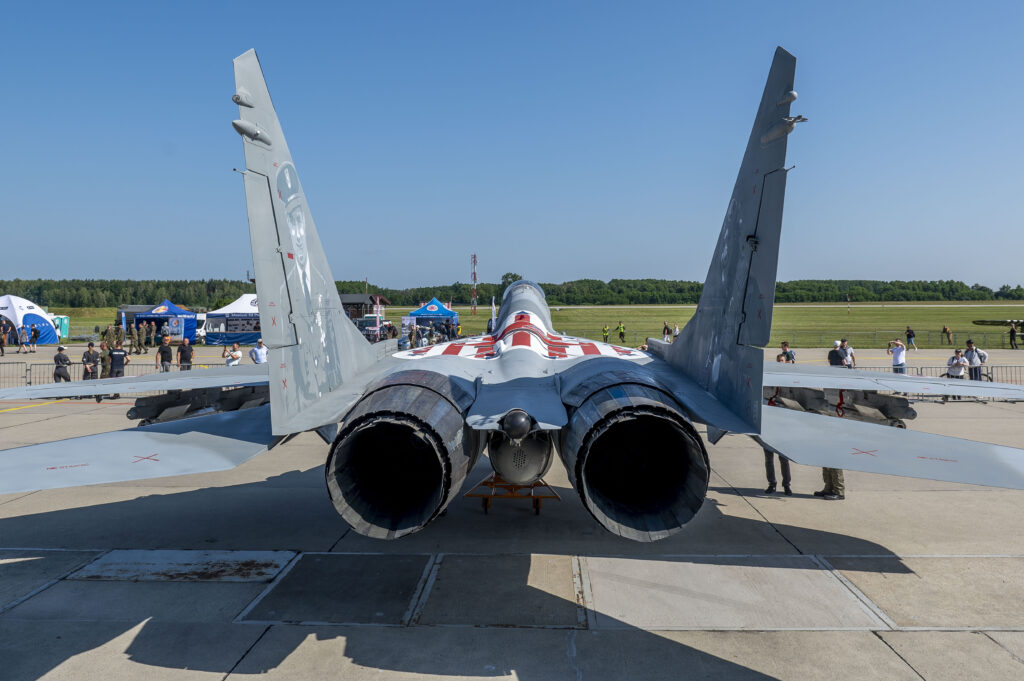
{"points": [[560, 140]]}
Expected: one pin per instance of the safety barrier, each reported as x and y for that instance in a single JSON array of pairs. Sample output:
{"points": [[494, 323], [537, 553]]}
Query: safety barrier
{"points": [[987, 340], [989, 372], [12, 374]]}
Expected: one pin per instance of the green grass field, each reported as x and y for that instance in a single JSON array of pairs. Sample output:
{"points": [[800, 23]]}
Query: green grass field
{"points": [[801, 325], [870, 325]]}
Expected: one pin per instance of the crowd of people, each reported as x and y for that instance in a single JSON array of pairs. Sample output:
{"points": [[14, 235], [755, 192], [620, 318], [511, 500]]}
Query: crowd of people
{"points": [[25, 337], [110, 359], [435, 332], [963, 364]]}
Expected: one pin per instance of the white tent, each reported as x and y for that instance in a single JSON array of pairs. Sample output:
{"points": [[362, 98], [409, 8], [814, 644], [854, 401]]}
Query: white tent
{"points": [[236, 322], [21, 312], [246, 304]]}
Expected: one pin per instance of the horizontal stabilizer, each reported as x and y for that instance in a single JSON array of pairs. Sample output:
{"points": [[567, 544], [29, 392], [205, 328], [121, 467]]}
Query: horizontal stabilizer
{"points": [[778, 375], [197, 445], [852, 445], [221, 377]]}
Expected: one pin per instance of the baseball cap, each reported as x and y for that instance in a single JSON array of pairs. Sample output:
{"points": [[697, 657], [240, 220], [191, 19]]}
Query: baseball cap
{"points": [[90, 344], [61, 347], [836, 343]]}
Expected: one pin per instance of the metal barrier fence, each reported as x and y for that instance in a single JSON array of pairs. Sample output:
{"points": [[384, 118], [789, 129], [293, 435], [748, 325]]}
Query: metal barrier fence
{"points": [[989, 372], [986, 340], [40, 374], [12, 374]]}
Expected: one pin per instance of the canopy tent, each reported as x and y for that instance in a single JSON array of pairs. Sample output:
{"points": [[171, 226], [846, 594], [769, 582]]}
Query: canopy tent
{"points": [[237, 322], [181, 323], [21, 312], [434, 311]]}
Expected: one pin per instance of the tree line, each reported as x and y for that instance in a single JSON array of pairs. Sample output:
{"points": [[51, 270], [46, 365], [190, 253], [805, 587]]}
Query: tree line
{"points": [[671, 292], [214, 293]]}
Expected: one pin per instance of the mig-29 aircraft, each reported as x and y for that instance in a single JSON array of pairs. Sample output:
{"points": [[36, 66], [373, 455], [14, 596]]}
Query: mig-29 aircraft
{"points": [[405, 429]]}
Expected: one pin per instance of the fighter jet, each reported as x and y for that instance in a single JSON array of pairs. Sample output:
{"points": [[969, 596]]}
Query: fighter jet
{"points": [[404, 429]]}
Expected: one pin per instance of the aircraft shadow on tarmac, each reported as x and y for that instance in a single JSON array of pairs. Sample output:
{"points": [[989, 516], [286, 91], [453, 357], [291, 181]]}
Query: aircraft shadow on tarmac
{"points": [[292, 511]]}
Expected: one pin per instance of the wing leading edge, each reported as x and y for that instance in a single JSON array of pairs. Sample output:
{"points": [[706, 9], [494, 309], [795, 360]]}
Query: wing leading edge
{"points": [[221, 377], [778, 375]]}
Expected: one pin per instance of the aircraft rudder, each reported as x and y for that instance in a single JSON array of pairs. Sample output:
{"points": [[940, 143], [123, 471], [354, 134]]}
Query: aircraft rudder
{"points": [[720, 347]]}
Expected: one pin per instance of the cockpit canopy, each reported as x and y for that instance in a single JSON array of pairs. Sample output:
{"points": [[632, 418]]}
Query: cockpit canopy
{"points": [[522, 282]]}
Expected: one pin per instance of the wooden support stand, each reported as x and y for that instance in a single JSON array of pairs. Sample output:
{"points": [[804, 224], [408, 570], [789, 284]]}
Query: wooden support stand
{"points": [[493, 487]]}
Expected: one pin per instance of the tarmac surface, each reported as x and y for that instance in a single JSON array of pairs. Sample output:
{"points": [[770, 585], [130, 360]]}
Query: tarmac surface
{"points": [[251, 572]]}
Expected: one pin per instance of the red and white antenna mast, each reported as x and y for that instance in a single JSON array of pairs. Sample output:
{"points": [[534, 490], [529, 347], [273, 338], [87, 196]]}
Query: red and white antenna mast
{"points": [[472, 259]]}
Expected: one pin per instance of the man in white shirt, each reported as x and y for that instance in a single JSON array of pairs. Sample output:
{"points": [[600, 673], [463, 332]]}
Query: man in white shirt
{"points": [[258, 354], [232, 357], [851, 361], [975, 358], [956, 364], [899, 356]]}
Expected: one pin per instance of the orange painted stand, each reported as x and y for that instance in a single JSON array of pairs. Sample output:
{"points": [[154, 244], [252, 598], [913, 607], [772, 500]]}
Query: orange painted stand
{"points": [[493, 487]]}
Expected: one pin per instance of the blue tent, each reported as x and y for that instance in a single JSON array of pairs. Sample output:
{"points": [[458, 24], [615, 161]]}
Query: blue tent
{"points": [[434, 311], [181, 323]]}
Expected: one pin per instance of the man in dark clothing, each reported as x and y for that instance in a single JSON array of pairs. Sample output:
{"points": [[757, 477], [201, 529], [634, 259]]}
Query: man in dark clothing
{"points": [[185, 355], [3, 336], [90, 364], [33, 338], [836, 357], [118, 359], [910, 339], [62, 362], [104, 360], [769, 469], [163, 355], [1013, 336]]}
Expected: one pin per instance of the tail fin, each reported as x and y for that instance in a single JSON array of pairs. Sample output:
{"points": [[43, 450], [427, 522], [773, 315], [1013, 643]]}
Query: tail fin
{"points": [[718, 348], [314, 348]]}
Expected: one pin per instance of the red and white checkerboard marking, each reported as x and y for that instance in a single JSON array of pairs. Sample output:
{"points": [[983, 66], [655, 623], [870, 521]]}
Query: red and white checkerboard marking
{"points": [[522, 331]]}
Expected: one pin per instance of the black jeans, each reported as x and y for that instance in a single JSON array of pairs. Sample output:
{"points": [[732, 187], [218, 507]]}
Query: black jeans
{"points": [[769, 468]]}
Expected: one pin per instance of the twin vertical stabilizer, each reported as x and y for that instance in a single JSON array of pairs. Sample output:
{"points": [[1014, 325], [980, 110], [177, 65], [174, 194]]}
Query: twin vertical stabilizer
{"points": [[720, 348], [314, 348]]}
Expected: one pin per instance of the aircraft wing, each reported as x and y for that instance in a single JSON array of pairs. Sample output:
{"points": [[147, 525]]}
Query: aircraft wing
{"points": [[195, 445], [221, 377], [779, 375], [852, 445]]}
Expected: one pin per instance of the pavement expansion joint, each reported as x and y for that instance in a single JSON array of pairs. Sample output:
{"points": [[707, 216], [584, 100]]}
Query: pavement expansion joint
{"points": [[873, 609], [419, 600]]}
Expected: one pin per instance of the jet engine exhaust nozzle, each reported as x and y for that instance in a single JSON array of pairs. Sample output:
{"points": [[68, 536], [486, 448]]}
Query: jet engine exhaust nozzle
{"points": [[636, 462], [400, 459]]}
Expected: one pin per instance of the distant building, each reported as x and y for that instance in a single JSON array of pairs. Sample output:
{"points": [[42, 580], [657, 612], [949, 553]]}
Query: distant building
{"points": [[129, 313], [358, 304]]}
